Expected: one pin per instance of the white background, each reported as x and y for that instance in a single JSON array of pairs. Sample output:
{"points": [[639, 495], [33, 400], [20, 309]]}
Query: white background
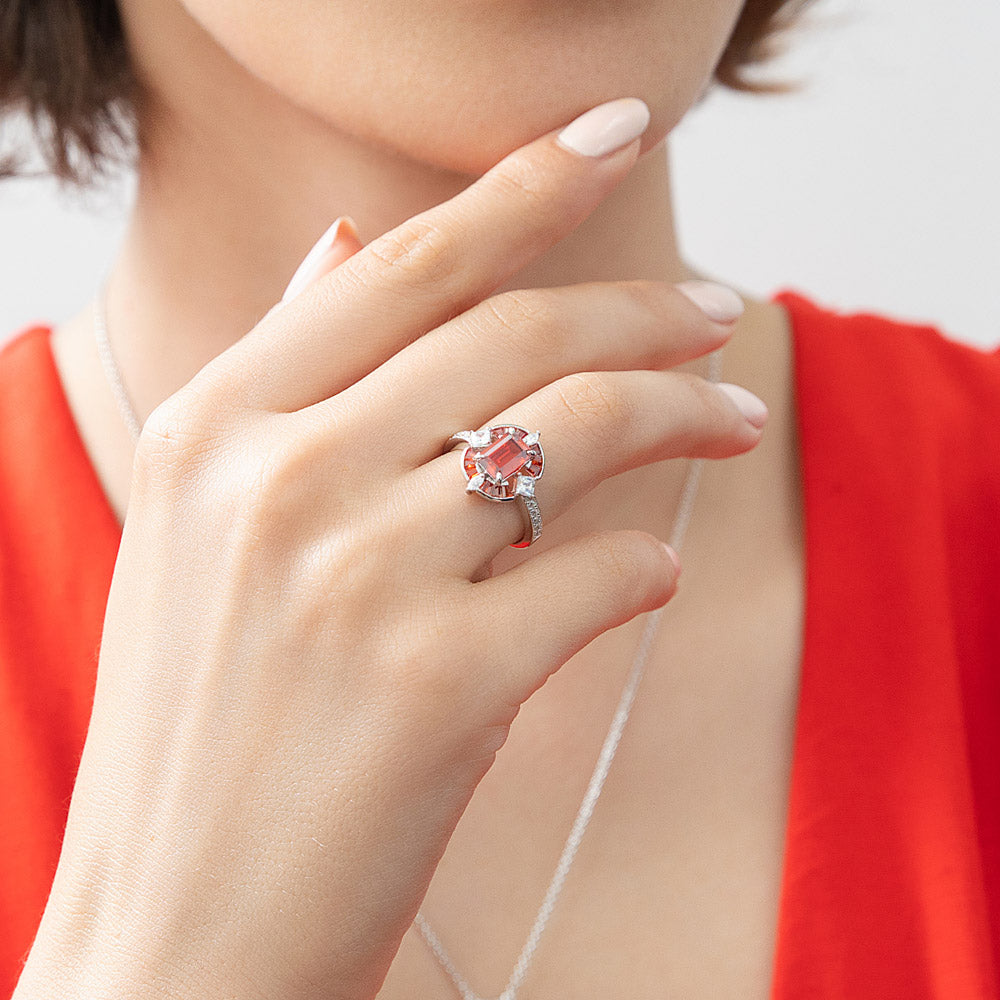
{"points": [[875, 187]]}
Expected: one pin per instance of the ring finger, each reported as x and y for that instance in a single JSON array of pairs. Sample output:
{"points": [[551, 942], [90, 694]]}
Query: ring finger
{"points": [[593, 425]]}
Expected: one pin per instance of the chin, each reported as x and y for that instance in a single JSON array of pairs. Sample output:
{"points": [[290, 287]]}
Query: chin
{"points": [[471, 142]]}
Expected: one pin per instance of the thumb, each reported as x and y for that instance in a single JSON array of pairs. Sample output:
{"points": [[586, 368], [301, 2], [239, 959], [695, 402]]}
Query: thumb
{"points": [[338, 243]]}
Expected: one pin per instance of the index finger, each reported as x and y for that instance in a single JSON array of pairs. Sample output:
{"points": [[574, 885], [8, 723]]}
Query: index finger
{"points": [[434, 265]]}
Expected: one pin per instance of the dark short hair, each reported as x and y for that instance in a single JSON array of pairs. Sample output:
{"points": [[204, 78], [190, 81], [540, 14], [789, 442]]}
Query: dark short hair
{"points": [[66, 64]]}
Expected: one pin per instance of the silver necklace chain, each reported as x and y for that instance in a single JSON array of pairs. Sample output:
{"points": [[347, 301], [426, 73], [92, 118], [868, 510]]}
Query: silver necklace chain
{"points": [[611, 741], [111, 369]]}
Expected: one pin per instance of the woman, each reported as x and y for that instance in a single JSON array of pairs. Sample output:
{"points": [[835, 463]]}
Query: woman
{"points": [[344, 709]]}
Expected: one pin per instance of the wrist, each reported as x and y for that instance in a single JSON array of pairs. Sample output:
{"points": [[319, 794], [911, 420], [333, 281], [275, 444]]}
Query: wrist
{"points": [[82, 952]]}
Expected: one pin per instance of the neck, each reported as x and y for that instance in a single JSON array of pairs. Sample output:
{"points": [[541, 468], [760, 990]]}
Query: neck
{"points": [[187, 230]]}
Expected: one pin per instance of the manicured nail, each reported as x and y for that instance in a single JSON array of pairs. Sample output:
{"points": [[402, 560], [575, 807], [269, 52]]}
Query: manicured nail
{"points": [[607, 127], [305, 271], [718, 302], [674, 558], [752, 407]]}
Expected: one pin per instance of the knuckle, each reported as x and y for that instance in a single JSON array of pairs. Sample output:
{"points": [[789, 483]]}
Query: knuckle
{"points": [[351, 563], [647, 294], [164, 432], [422, 249], [628, 558], [285, 473], [526, 181], [175, 435], [347, 566], [596, 401], [332, 582], [268, 481], [530, 315]]}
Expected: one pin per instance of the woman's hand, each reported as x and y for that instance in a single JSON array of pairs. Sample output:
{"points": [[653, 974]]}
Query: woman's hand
{"points": [[306, 668]]}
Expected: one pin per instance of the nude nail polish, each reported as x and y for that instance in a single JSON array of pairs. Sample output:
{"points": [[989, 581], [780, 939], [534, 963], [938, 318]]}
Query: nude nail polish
{"points": [[718, 302], [304, 272], [752, 407], [606, 128]]}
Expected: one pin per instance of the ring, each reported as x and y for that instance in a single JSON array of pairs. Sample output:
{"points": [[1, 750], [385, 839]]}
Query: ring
{"points": [[502, 463]]}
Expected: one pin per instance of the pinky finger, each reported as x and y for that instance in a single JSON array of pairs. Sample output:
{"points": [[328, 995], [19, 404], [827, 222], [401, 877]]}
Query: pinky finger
{"points": [[565, 597]]}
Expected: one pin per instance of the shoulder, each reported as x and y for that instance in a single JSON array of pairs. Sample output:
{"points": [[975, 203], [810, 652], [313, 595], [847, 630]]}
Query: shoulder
{"points": [[880, 350], [902, 418], [29, 388], [36, 426], [25, 359], [22, 341], [915, 378], [880, 347]]}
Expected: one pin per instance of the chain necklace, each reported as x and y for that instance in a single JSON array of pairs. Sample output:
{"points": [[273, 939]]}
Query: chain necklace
{"points": [[608, 749], [111, 369]]}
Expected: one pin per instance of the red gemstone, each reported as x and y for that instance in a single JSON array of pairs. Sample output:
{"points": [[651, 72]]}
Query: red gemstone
{"points": [[502, 460]]}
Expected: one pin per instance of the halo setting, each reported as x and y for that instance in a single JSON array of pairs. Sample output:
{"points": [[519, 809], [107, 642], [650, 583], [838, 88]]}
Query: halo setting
{"points": [[502, 462]]}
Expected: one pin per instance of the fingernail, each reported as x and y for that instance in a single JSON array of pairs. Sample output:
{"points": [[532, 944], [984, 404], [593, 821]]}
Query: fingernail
{"points": [[718, 302], [607, 127], [674, 558], [752, 407], [305, 271]]}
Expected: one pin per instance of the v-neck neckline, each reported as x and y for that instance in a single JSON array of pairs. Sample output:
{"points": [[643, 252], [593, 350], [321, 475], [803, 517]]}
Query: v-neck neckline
{"points": [[812, 596]]}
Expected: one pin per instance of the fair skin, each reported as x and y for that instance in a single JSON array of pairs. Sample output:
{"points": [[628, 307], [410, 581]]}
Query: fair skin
{"points": [[675, 891]]}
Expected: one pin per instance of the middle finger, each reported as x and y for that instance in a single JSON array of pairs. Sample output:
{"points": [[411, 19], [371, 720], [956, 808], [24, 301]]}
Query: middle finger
{"points": [[512, 344]]}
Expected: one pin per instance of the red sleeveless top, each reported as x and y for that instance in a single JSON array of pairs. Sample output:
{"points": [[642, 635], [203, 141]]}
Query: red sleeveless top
{"points": [[891, 878]]}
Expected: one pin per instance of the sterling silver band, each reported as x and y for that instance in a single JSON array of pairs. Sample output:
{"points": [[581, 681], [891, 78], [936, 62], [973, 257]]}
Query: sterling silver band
{"points": [[533, 528]]}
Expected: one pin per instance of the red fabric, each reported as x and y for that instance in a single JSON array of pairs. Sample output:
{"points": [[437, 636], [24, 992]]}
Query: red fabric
{"points": [[891, 882]]}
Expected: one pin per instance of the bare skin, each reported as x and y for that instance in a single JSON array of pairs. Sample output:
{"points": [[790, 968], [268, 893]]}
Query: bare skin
{"points": [[697, 797]]}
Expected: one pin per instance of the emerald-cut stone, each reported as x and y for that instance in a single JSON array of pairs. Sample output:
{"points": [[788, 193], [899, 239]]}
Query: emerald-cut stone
{"points": [[503, 459]]}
